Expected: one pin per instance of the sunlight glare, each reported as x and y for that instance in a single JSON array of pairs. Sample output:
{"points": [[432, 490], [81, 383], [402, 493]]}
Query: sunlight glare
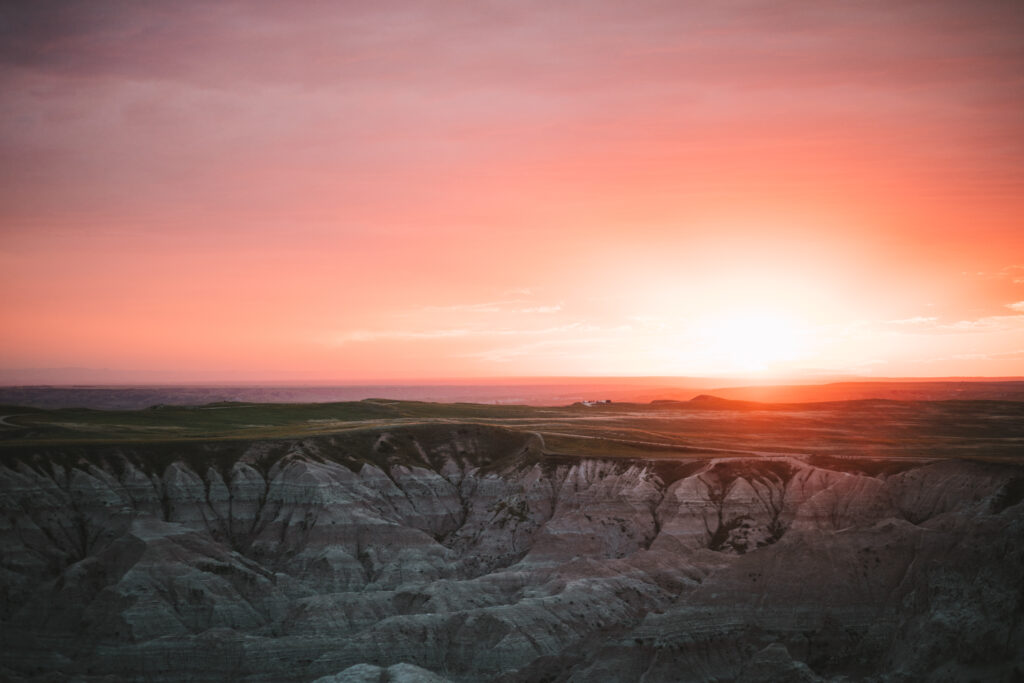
{"points": [[753, 341]]}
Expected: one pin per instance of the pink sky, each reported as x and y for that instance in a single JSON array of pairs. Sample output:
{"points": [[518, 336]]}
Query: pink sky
{"points": [[382, 191]]}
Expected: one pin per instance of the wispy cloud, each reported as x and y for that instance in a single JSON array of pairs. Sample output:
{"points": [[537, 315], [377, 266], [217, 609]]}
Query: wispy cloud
{"points": [[984, 323], [359, 336], [559, 347], [1014, 274], [1006, 355], [588, 341], [988, 323], [524, 306], [356, 336], [916, 320], [995, 356], [991, 323], [482, 307], [651, 322]]}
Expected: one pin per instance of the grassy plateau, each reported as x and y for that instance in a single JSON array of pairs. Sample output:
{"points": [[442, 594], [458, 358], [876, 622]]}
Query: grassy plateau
{"points": [[705, 426]]}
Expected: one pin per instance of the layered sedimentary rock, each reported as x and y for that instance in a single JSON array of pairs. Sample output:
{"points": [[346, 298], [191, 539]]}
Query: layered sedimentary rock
{"points": [[464, 553]]}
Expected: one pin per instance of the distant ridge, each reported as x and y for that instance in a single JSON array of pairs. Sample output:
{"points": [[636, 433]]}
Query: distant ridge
{"points": [[517, 393], [713, 402], [904, 390], [706, 398], [709, 401]]}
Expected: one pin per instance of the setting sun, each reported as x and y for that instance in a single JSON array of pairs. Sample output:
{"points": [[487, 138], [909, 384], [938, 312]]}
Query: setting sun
{"points": [[753, 342]]}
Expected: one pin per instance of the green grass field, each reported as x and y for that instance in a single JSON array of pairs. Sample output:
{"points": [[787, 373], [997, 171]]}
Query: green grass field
{"points": [[985, 429]]}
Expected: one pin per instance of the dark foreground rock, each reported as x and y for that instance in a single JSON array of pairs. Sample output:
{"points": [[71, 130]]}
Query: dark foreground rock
{"points": [[462, 553]]}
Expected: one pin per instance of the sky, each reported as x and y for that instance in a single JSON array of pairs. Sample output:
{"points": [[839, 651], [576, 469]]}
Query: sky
{"points": [[356, 191]]}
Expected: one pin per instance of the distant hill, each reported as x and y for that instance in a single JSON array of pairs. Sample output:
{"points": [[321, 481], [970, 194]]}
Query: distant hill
{"points": [[556, 392], [1012, 390]]}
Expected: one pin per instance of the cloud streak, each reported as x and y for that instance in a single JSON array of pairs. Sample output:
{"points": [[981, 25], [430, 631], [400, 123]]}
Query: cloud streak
{"points": [[505, 306], [362, 336], [916, 320]]}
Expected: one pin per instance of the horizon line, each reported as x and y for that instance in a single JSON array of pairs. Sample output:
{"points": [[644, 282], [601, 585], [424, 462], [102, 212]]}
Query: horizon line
{"points": [[523, 379]]}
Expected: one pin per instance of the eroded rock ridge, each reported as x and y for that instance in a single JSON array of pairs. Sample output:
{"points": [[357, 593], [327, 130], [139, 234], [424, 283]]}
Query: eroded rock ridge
{"points": [[464, 553]]}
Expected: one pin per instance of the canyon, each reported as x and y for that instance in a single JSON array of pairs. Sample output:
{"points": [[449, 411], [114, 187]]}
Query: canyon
{"points": [[457, 550]]}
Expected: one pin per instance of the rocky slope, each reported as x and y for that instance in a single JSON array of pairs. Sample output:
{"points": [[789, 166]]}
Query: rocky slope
{"points": [[463, 553]]}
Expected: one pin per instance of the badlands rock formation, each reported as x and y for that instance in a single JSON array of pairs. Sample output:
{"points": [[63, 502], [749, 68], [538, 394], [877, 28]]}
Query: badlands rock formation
{"points": [[463, 553]]}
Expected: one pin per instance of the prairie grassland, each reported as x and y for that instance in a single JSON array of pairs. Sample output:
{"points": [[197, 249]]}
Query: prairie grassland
{"points": [[669, 430]]}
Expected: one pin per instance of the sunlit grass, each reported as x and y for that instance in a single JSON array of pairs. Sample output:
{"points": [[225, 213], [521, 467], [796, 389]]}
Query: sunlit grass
{"points": [[978, 429]]}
